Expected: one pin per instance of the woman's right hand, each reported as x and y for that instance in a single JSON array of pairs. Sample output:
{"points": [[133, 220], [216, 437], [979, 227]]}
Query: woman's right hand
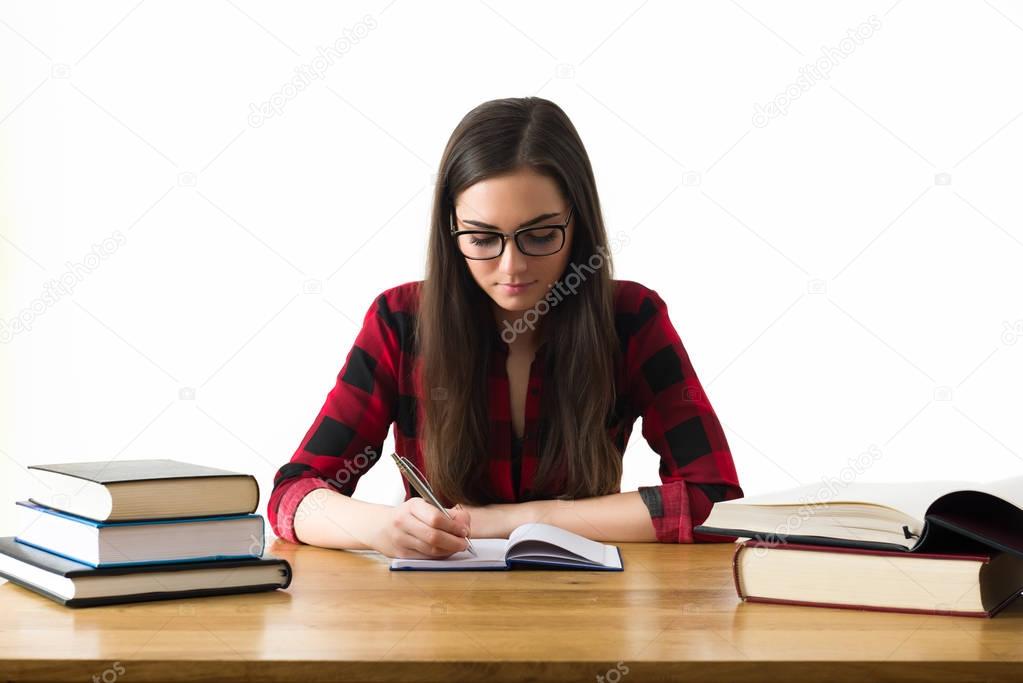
{"points": [[417, 529]]}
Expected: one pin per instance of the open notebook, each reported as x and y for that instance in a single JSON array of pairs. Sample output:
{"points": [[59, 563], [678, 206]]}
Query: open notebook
{"points": [[920, 516], [529, 545]]}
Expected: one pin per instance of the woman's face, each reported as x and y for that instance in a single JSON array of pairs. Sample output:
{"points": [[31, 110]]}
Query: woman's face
{"points": [[522, 198]]}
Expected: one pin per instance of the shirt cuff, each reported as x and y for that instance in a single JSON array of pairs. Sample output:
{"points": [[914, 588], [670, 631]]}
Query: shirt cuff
{"points": [[669, 511], [289, 504]]}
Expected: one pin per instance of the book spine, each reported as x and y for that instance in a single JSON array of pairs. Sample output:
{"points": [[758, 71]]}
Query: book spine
{"points": [[735, 569], [256, 484]]}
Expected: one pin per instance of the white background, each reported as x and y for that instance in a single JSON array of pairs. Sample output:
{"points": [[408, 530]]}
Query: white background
{"points": [[846, 278]]}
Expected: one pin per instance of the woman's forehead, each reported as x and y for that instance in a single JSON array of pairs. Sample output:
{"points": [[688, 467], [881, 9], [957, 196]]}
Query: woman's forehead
{"points": [[510, 199]]}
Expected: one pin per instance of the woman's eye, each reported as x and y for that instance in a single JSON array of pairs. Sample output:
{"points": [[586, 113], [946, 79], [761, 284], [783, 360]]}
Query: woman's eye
{"points": [[541, 238], [477, 242]]}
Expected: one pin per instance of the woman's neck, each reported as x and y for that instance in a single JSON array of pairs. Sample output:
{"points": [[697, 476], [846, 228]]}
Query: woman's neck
{"points": [[524, 341]]}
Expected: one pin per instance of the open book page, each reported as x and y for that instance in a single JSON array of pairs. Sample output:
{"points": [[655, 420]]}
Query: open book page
{"points": [[527, 539], [489, 553], [910, 498], [543, 543]]}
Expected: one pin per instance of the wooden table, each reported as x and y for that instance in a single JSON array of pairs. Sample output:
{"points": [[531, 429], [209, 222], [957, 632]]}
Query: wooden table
{"points": [[671, 615]]}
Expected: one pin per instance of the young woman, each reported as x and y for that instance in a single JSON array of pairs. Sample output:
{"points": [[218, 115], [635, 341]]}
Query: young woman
{"points": [[513, 372]]}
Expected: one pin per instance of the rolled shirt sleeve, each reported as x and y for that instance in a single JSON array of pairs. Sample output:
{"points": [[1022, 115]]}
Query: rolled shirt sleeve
{"points": [[346, 437], [680, 425]]}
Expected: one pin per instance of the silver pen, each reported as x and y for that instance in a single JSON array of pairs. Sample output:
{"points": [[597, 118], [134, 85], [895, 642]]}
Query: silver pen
{"points": [[418, 482]]}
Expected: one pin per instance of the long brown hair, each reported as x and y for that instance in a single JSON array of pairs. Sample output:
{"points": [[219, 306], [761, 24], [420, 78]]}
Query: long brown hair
{"points": [[455, 326]]}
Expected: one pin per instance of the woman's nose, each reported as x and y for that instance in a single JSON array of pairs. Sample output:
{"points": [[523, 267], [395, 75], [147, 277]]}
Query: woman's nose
{"points": [[512, 260]]}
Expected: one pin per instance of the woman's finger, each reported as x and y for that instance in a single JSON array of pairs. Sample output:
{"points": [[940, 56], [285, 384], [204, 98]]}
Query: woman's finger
{"points": [[431, 516], [462, 515], [410, 547], [440, 540], [424, 549]]}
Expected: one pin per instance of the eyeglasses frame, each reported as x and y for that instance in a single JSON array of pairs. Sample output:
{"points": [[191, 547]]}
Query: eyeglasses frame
{"points": [[514, 236]]}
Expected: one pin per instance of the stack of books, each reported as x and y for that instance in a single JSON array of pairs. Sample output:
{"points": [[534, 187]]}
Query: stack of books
{"points": [[935, 547], [139, 530]]}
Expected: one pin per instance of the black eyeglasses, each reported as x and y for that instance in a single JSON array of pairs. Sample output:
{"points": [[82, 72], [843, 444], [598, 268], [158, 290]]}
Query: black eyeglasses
{"points": [[537, 240]]}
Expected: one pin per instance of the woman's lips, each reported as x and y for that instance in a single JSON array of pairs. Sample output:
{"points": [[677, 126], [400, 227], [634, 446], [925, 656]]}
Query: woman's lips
{"points": [[516, 289]]}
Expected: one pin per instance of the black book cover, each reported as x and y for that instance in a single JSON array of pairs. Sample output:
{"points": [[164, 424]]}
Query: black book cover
{"points": [[69, 569], [112, 472]]}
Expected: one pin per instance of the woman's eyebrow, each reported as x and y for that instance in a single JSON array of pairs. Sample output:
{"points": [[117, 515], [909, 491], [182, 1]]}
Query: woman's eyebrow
{"points": [[543, 216]]}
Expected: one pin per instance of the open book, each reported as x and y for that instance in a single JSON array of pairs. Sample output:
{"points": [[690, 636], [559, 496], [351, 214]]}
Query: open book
{"points": [[927, 516], [530, 545]]}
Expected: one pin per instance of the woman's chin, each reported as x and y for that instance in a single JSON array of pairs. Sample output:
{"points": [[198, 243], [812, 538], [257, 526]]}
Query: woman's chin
{"points": [[515, 303]]}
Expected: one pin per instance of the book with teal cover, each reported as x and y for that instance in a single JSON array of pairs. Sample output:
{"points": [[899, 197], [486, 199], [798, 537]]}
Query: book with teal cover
{"points": [[253, 544]]}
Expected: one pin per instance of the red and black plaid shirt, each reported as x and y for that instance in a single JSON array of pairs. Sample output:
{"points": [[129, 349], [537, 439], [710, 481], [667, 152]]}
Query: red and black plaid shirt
{"points": [[375, 388]]}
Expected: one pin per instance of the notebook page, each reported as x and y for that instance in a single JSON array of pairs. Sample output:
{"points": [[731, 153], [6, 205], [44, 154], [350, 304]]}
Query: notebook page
{"points": [[490, 553], [562, 538], [541, 550], [612, 558]]}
